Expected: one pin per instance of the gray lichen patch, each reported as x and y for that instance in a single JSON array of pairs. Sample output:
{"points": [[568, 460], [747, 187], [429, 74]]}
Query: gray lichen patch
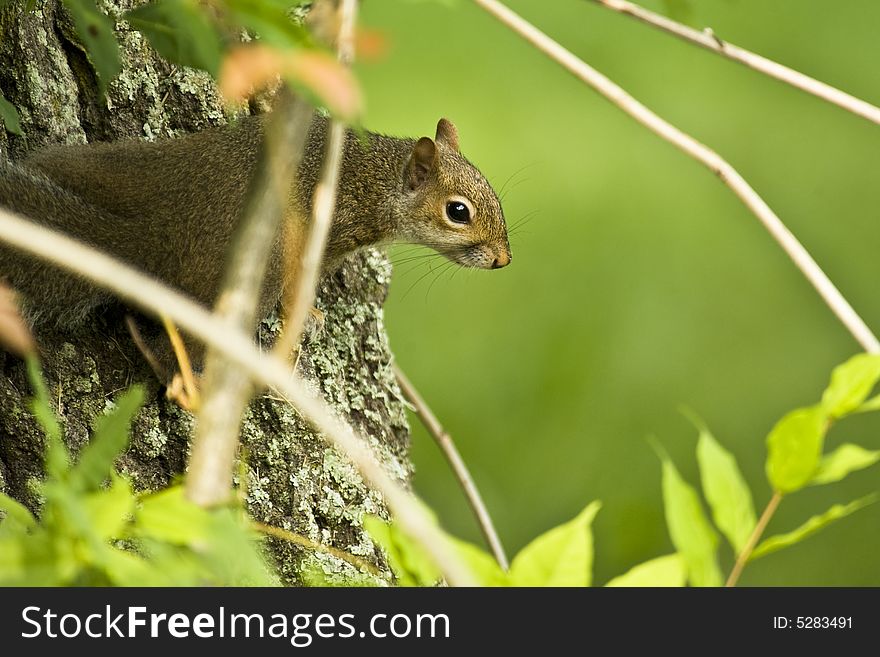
{"points": [[35, 76]]}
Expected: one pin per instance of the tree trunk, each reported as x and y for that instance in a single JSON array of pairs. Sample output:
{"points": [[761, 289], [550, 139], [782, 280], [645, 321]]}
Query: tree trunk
{"points": [[289, 476]]}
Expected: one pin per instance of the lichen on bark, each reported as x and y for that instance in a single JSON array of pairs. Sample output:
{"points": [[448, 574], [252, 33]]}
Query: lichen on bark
{"points": [[289, 476]]}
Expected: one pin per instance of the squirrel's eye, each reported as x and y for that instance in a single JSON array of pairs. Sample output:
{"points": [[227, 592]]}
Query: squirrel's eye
{"points": [[458, 212]]}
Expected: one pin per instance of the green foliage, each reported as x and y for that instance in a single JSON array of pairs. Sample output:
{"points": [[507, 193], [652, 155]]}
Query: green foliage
{"points": [[726, 490], [412, 566], [208, 37], [811, 526], [181, 32], [794, 460], [563, 556], [851, 383], [185, 32], [192, 545], [842, 461], [794, 457], [794, 448], [269, 19], [9, 116], [691, 532], [872, 404], [481, 563], [95, 30], [94, 535], [109, 438], [669, 571]]}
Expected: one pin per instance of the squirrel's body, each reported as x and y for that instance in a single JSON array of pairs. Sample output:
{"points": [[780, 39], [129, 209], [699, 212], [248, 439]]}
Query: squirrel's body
{"points": [[171, 208]]}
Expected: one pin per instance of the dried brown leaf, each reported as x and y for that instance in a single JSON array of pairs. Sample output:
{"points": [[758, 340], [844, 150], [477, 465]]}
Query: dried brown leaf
{"points": [[15, 336], [249, 68]]}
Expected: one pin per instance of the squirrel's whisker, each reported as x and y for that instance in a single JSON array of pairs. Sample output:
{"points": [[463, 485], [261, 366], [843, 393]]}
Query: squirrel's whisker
{"points": [[442, 270], [504, 187]]}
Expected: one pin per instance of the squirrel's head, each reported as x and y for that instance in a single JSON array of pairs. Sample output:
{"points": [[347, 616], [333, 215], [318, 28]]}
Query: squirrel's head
{"points": [[449, 206]]}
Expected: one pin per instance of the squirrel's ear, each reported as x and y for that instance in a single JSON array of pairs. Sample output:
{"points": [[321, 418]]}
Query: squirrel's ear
{"points": [[421, 161], [447, 133]]}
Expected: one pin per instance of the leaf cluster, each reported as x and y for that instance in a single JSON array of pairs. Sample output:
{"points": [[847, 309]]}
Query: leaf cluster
{"points": [[563, 556], [92, 534]]}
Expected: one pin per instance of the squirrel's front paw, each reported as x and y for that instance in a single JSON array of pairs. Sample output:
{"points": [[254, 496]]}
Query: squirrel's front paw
{"points": [[314, 323], [185, 393]]}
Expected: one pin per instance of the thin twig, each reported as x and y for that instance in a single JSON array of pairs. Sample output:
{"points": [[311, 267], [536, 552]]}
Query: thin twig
{"points": [[710, 41], [447, 446], [144, 348], [300, 296], [703, 154], [145, 292], [298, 539], [226, 389], [190, 389], [746, 553]]}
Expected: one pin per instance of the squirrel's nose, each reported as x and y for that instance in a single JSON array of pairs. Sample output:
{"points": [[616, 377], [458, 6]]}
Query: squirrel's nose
{"points": [[502, 260]]}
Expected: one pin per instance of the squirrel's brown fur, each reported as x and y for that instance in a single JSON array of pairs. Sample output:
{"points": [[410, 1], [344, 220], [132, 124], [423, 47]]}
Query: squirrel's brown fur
{"points": [[170, 208]]}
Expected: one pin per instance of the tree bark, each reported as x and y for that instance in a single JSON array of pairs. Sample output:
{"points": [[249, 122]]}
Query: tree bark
{"points": [[288, 475]]}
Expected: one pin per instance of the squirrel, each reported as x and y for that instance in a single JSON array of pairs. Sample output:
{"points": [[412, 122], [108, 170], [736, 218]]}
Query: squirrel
{"points": [[170, 208]]}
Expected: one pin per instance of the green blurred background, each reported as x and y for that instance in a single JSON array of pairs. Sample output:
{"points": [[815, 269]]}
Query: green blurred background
{"points": [[640, 283]]}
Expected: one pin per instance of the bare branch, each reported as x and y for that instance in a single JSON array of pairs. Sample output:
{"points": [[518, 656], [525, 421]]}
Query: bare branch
{"points": [[298, 539], [144, 292], [703, 154], [447, 446], [227, 390], [710, 41], [300, 297], [743, 557]]}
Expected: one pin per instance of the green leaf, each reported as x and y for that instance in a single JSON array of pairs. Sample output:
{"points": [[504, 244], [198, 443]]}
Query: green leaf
{"points": [[851, 383], [57, 457], [109, 510], [181, 32], [562, 556], [726, 491], [169, 517], [222, 550], [109, 438], [9, 116], [128, 569], [96, 31], [41, 405], [408, 560], [67, 519], [269, 20], [13, 561], [481, 563], [810, 527], [233, 555], [669, 570], [794, 447], [845, 459], [690, 530], [16, 513], [872, 404]]}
